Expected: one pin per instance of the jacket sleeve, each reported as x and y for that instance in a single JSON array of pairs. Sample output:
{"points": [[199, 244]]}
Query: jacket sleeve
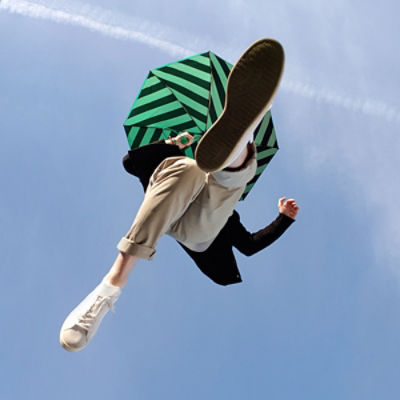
{"points": [[251, 243]]}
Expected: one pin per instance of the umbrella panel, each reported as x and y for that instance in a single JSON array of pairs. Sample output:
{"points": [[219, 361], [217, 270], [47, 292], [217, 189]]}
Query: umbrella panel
{"points": [[189, 95]]}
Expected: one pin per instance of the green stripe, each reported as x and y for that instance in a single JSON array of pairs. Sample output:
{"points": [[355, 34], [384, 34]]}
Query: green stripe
{"points": [[156, 135], [272, 142], [220, 80], [162, 110], [182, 126], [253, 180], [212, 116], [162, 92], [164, 117], [130, 135], [248, 188], [267, 134], [196, 114], [186, 71], [222, 74], [183, 82], [216, 101], [203, 58], [202, 100], [260, 169], [151, 88], [197, 80], [189, 102], [147, 137], [189, 152], [227, 67], [221, 88], [139, 132], [197, 65], [166, 133], [266, 153], [265, 161], [152, 105], [262, 128]]}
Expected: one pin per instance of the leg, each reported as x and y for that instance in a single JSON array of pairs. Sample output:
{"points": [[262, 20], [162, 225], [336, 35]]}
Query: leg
{"points": [[120, 270], [206, 216], [241, 158], [173, 186], [251, 87]]}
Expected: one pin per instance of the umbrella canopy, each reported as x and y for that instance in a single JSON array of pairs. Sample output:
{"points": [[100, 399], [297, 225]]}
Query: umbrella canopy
{"points": [[189, 95]]}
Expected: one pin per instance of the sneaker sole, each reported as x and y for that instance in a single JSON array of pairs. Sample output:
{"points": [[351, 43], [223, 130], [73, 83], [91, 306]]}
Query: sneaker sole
{"points": [[66, 347], [251, 87]]}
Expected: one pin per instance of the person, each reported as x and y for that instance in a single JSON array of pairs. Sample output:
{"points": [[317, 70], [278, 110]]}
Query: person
{"points": [[193, 200], [217, 261]]}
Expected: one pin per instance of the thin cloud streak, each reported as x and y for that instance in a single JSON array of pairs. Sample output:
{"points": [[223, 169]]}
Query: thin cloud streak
{"points": [[370, 107], [35, 10]]}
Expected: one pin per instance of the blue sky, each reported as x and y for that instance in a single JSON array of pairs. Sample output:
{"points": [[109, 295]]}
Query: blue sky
{"points": [[317, 314]]}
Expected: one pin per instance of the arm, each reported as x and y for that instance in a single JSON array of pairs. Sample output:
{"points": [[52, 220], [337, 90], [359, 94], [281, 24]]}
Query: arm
{"points": [[251, 243]]}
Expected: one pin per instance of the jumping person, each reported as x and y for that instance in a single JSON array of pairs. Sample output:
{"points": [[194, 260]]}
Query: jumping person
{"points": [[193, 200]]}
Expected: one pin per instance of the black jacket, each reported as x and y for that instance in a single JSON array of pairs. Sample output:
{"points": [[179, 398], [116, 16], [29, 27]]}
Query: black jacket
{"points": [[218, 261]]}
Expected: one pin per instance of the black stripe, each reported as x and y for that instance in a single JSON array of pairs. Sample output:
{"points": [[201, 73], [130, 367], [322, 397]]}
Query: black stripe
{"points": [[256, 130], [162, 117], [184, 126], [264, 143], [151, 89], [196, 114], [191, 78], [220, 87], [139, 137], [213, 113], [263, 161], [253, 180], [152, 105], [192, 95], [224, 65], [197, 65], [156, 135]]}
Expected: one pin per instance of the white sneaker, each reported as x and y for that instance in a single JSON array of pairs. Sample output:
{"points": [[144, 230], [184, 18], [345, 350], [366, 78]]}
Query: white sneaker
{"points": [[250, 90], [82, 323]]}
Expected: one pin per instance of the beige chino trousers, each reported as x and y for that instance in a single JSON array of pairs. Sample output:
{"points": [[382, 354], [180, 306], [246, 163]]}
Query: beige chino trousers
{"points": [[186, 203]]}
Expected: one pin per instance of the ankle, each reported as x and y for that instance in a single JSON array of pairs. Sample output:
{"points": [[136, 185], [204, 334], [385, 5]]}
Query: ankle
{"points": [[115, 280], [243, 158]]}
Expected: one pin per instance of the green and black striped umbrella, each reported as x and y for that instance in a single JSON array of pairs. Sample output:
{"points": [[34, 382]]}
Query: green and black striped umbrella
{"points": [[189, 95]]}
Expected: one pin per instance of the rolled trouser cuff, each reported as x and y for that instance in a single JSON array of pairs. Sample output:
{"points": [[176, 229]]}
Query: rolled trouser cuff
{"points": [[126, 245]]}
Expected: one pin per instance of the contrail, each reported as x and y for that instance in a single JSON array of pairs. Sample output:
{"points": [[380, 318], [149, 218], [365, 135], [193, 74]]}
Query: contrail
{"points": [[98, 20], [36, 10], [375, 108]]}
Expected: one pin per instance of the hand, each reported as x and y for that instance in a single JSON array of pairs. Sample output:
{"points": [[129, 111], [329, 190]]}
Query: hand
{"points": [[186, 136], [288, 208]]}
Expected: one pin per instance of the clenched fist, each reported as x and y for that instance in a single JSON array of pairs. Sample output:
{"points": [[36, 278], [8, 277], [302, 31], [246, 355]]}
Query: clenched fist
{"points": [[289, 207]]}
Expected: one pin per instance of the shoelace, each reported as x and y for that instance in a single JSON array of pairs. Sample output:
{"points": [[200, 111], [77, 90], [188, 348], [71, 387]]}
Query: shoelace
{"points": [[87, 319]]}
